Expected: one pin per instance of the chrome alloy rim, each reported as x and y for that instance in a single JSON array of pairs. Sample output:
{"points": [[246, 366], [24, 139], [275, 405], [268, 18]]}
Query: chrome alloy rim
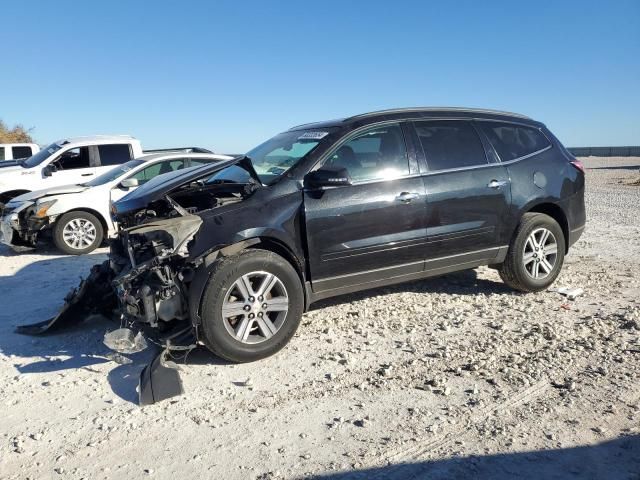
{"points": [[540, 253], [255, 307], [79, 233]]}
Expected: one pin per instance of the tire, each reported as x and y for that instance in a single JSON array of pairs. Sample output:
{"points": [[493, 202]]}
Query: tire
{"points": [[256, 331], [519, 268], [81, 223]]}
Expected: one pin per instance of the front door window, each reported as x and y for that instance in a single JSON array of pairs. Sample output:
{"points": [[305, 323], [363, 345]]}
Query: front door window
{"points": [[376, 154]]}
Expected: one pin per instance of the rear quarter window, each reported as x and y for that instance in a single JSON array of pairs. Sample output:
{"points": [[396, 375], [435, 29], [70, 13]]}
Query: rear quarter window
{"points": [[514, 141]]}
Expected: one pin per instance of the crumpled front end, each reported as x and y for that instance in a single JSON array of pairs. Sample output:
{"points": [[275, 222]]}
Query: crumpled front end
{"points": [[151, 270], [20, 224], [145, 283]]}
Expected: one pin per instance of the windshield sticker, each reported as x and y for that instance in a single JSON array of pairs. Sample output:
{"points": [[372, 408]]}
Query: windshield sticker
{"points": [[313, 135]]}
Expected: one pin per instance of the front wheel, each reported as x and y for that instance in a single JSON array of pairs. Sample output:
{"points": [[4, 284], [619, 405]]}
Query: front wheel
{"points": [[77, 233], [251, 306], [535, 255]]}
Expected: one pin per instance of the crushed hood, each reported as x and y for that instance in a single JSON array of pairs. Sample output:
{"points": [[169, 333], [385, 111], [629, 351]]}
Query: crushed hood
{"points": [[158, 187], [50, 192]]}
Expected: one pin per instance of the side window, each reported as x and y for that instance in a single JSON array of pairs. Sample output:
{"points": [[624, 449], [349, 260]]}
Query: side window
{"points": [[114, 154], [74, 158], [196, 162], [21, 152], [514, 141], [159, 168], [450, 144], [2, 157], [377, 154]]}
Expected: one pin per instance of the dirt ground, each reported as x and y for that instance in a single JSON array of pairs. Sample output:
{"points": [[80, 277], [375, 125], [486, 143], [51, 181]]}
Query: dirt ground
{"points": [[452, 377]]}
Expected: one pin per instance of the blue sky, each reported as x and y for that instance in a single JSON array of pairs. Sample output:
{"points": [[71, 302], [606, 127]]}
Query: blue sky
{"points": [[229, 74]]}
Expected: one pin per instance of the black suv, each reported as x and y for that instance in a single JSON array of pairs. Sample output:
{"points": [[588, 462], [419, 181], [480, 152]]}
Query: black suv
{"points": [[237, 251]]}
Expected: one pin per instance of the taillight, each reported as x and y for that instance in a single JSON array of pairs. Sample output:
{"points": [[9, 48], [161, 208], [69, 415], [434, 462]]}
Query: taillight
{"points": [[578, 164]]}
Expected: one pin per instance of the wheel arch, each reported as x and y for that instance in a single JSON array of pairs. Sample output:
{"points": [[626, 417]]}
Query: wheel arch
{"points": [[267, 243], [554, 211], [9, 194]]}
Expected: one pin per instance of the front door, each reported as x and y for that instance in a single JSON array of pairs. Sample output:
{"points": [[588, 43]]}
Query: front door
{"points": [[374, 228], [468, 196], [71, 167]]}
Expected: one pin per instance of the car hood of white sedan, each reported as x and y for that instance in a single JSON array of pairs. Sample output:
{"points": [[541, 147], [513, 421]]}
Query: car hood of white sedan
{"points": [[65, 189]]}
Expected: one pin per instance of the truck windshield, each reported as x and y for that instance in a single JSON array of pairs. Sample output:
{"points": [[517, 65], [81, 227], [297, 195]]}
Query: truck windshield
{"points": [[41, 156], [277, 155], [114, 173]]}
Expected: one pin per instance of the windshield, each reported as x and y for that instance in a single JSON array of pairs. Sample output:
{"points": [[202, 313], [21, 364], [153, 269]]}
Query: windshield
{"points": [[114, 173], [41, 156], [277, 155]]}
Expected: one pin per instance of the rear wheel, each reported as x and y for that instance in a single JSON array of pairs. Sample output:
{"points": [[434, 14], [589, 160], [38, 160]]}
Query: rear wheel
{"points": [[77, 233], [251, 306], [535, 255]]}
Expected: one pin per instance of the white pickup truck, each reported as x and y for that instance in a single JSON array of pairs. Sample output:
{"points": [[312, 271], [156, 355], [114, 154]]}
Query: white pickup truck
{"points": [[13, 151], [68, 161]]}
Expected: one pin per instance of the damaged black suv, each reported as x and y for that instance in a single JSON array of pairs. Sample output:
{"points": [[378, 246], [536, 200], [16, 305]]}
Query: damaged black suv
{"points": [[235, 252]]}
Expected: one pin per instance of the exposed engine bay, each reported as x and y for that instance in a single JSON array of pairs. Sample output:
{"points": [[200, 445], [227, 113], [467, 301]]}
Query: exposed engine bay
{"points": [[151, 260], [145, 283]]}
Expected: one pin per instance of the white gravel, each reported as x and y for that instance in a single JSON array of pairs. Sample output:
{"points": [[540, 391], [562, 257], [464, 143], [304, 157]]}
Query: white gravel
{"points": [[456, 376]]}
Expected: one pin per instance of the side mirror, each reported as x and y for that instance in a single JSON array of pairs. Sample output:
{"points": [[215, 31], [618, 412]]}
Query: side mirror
{"points": [[128, 183], [327, 177], [48, 170]]}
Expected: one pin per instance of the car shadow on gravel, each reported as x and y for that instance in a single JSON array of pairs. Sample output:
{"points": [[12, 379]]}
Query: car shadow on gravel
{"points": [[78, 347], [465, 282], [81, 346], [614, 460], [45, 249]]}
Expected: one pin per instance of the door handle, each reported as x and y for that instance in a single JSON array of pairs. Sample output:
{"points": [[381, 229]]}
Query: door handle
{"points": [[86, 174], [497, 183], [406, 197]]}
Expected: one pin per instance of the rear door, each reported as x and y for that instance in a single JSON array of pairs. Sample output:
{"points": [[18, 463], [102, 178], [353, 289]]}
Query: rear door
{"points": [[374, 228], [21, 151], [468, 193], [111, 155]]}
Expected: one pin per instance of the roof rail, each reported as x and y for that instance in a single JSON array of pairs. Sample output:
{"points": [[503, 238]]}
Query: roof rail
{"points": [[178, 149], [436, 109]]}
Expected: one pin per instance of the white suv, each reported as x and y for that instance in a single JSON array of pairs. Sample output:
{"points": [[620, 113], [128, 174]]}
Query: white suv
{"points": [[72, 160], [78, 216], [13, 151]]}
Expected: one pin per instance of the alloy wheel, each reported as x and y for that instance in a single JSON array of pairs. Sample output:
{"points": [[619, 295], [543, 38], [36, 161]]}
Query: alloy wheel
{"points": [[255, 307], [79, 233], [540, 253]]}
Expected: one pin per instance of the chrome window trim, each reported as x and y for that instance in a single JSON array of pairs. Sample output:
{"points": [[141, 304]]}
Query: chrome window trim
{"points": [[524, 157], [508, 162]]}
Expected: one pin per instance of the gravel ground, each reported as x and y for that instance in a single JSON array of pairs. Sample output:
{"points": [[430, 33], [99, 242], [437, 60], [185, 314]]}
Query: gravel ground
{"points": [[456, 376]]}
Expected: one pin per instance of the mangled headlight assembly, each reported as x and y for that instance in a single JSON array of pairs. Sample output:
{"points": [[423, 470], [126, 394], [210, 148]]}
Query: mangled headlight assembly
{"points": [[41, 208]]}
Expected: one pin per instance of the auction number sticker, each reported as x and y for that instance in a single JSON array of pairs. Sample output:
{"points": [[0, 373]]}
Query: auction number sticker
{"points": [[313, 135]]}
